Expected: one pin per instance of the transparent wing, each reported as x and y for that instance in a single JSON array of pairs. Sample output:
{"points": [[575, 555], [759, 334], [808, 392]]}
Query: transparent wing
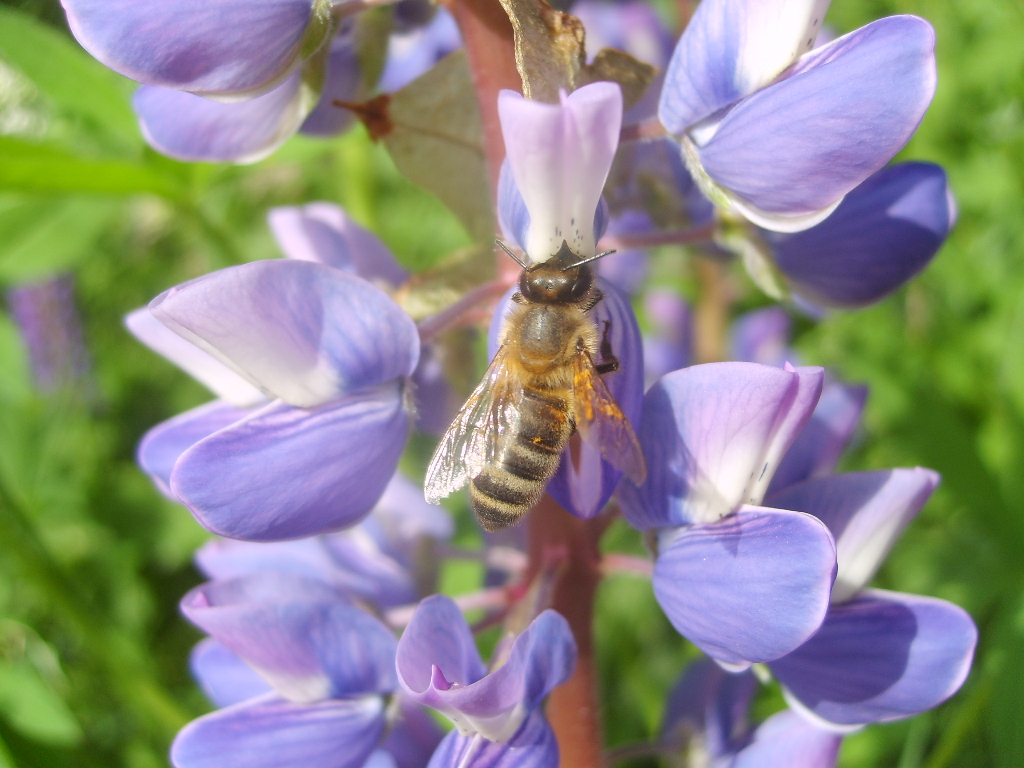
{"points": [[469, 442], [601, 422]]}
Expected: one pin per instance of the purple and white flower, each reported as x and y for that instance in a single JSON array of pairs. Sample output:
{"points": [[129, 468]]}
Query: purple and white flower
{"points": [[496, 713], [778, 131], [312, 363], [743, 582]]}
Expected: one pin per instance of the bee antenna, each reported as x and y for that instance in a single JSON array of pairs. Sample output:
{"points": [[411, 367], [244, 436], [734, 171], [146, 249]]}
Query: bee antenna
{"points": [[515, 258], [590, 259]]}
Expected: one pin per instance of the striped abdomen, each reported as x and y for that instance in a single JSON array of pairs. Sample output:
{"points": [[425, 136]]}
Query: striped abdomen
{"points": [[526, 456]]}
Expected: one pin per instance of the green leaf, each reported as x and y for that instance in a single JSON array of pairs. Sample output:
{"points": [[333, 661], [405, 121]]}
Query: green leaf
{"points": [[76, 83], [15, 380], [39, 238], [33, 167], [32, 708], [435, 138]]}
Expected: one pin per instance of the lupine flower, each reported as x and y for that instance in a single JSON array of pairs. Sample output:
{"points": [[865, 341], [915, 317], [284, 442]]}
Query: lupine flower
{"points": [[379, 561], [743, 582], [559, 156], [882, 234], [312, 361], [240, 77], [632, 26], [707, 718], [425, 34], [558, 160], [778, 131], [191, 127], [879, 655], [51, 330], [496, 714], [329, 664]]}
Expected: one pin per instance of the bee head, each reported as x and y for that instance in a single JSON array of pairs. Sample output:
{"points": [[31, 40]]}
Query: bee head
{"points": [[559, 280]]}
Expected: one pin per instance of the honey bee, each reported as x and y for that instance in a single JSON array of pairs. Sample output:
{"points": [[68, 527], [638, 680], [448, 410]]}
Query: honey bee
{"points": [[541, 387]]}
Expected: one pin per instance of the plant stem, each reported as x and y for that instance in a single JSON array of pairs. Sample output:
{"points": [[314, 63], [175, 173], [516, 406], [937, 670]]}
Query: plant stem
{"points": [[487, 36], [574, 709], [711, 320]]}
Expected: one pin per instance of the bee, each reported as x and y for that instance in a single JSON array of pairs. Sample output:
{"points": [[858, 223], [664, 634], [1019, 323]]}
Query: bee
{"points": [[542, 386]]}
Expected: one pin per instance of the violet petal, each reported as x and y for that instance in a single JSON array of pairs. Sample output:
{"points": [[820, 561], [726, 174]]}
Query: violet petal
{"points": [[534, 746], [560, 155], [713, 435], [305, 332], [883, 233], [817, 448], [865, 511], [751, 587], [273, 733], [799, 145], [204, 368], [161, 446], [730, 49], [285, 473], [786, 740], [224, 678], [881, 656], [211, 46], [299, 634]]}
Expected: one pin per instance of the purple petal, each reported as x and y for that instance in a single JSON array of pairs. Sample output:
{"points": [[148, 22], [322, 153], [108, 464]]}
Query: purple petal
{"points": [[799, 145], [273, 733], [228, 558], [436, 400], [341, 83], [285, 473], [883, 233], [195, 129], [560, 155], [163, 444], [224, 678], [438, 667], [413, 737], [324, 233], [437, 637], [865, 511], [817, 448], [713, 435], [749, 588], [762, 337], [513, 218], [809, 385], [212, 46], [730, 49], [298, 633], [534, 746], [670, 347], [786, 740], [412, 52], [880, 657], [305, 332], [711, 702], [213, 374]]}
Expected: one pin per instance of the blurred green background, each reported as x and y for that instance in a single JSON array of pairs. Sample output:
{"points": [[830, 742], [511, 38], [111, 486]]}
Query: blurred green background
{"points": [[93, 560]]}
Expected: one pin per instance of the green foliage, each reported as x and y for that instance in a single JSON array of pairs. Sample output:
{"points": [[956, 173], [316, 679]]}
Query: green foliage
{"points": [[92, 561]]}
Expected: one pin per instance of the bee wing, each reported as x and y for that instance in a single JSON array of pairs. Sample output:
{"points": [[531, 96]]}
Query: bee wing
{"points": [[601, 422], [470, 441]]}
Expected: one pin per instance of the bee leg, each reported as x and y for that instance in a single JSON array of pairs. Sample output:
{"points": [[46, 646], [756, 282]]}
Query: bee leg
{"points": [[609, 362], [595, 296]]}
